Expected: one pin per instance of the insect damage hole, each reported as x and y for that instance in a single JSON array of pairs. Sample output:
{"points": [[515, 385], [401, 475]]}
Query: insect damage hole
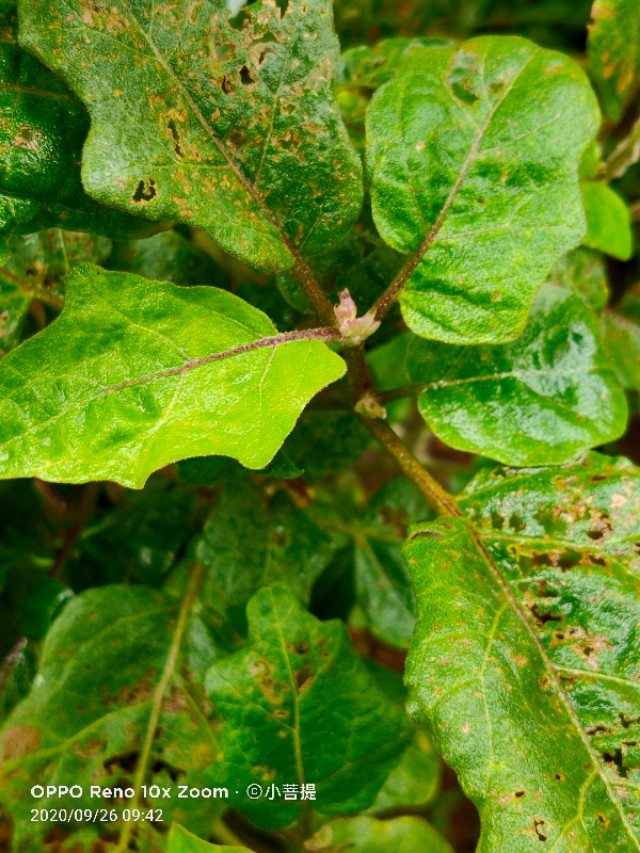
{"points": [[146, 191], [537, 826]]}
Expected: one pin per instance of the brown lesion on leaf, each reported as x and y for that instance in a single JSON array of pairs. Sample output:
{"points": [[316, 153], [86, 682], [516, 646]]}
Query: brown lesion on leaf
{"points": [[27, 138], [145, 192], [18, 741], [225, 84], [177, 145], [303, 677], [538, 826], [246, 76]]}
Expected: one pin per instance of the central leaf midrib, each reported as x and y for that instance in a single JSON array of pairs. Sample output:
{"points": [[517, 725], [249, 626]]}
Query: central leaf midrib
{"points": [[552, 674], [251, 188]]}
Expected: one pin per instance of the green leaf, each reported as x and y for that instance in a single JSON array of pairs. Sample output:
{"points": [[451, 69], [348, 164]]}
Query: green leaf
{"points": [[133, 376], [283, 698], [35, 268], [383, 586], [165, 257], [324, 442], [473, 155], [542, 400], [621, 338], [613, 49], [231, 128], [525, 660], [368, 835], [608, 220], [584, 272], [117, 701], [138, 540], [41, 134], [414, 781], [182, 841], [285, 544], [214, 470], [362, 70]]}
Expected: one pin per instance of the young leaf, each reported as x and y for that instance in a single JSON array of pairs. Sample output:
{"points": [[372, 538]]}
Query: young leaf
{"points": [[232, 128], [283, 698], [524, 661], [285, 544], [473, 154], [136, 374], [553, 387], [116, 701], [42, 131], [608, 220], [613, 50], [368, 835]]}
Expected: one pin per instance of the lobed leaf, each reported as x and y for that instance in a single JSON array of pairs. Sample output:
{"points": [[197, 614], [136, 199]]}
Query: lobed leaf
{"points": [[134, 375], [228, 126], [473, 155], [542, 400], [42, 132], [283, 698], [285, 545], [525, 662], [113, 656]]}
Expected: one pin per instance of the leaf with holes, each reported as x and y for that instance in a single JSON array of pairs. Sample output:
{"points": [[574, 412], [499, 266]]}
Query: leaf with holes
{"points": [[134, 375], [614, 52], [42, 129], [283, 698], [473, 154], [116, 701], [229, 126], [553, 387], [525, 661]]}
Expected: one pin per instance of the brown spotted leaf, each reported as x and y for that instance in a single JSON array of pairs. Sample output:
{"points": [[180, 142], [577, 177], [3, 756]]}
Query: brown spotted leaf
{"points": [[115, 658], [525, 659], [229, 126], [299, 707]]}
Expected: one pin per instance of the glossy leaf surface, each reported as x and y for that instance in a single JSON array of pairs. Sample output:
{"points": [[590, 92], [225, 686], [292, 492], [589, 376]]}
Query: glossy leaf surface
{"points": [[42, 131], [134, 375], [214, 125], [614, 52], [284, 696], [536, 708], [473, 153], [544, 399]]}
